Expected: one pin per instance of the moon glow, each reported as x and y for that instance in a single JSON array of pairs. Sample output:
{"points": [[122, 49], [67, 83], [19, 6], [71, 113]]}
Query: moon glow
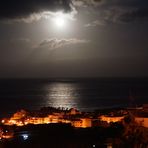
{"points": [[60, 21]]}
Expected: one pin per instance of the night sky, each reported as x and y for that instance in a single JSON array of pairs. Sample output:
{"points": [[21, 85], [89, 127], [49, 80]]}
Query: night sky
{"points": [[73, 38]]}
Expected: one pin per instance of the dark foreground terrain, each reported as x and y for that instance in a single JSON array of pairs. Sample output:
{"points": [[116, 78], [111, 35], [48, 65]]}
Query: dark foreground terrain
{"points": [[65, 136]]}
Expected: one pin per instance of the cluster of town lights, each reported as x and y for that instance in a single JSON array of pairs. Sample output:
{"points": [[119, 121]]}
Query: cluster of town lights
{"points": [[72, 116]]}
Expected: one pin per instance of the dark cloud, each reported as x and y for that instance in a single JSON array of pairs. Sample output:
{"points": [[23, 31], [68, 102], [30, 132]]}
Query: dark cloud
{"points": [[131, 10], [12, 9], [118, 11], [135, 15], [18, 9], [85, 3], [111, 10]]}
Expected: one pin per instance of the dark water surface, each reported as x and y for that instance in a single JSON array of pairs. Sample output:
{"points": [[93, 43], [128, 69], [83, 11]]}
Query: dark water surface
{"points": [[83, 94]]}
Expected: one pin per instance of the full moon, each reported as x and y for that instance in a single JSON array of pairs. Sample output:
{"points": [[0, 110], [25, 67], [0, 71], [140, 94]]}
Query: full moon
{"points": [[59, 21]]}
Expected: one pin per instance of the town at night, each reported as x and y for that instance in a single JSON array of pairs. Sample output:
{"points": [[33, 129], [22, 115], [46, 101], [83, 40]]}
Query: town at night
{"points": [[73, 74]]}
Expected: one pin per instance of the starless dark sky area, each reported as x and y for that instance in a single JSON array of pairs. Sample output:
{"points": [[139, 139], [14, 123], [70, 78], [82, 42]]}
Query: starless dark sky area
{"points": [[99, 38]]}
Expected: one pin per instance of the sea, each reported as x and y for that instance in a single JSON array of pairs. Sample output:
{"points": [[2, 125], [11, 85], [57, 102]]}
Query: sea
{"points": [[85, 94]]}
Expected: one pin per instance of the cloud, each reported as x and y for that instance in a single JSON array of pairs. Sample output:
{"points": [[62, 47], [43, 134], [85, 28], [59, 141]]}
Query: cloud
{"points": [[86, 3], [34, 10], [95, 23], [55, 43], [13, 9], [21, 9], [108, 10], [129, 11], [118, 11], [43, 15], [126, 15], [135, 15]]}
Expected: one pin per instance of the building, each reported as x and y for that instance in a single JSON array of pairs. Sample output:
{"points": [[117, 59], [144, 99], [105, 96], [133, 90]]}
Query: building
{"points": [[82, 123], [142, 121], [109, 119]]}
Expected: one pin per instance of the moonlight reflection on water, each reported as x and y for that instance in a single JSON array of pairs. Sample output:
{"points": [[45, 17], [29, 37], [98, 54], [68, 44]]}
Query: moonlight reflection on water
{"points": [[62, 95]]}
